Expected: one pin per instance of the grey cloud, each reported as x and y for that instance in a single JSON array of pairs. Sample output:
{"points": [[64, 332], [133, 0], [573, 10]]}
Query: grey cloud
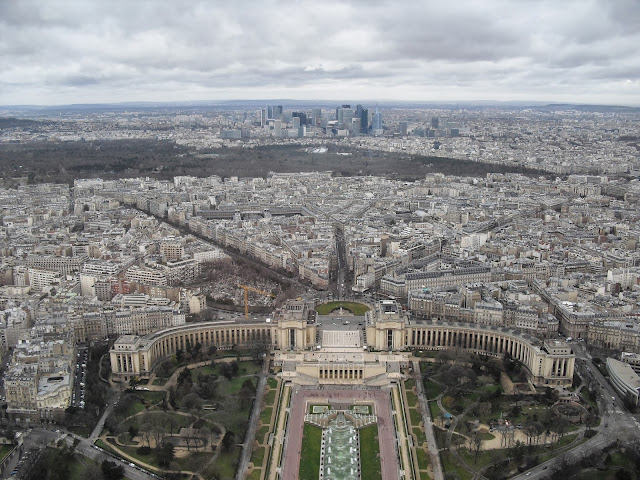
{"points": [[110, 49]]}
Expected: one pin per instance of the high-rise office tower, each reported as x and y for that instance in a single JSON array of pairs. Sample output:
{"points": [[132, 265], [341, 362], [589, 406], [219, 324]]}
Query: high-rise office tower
{"points": [[363, 115], [344, 115], [435, 121], [376, 122], [403, 128], [295, 121], [316, 115], [277, 112], [302, 116]]}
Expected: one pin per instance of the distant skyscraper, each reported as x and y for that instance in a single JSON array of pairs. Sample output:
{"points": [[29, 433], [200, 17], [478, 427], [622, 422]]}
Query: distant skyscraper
{"points": [[435, 121], [376, 123], [302, 116], [403, 128], [277, 112], [316, 115], [295, 121], [363, 115], [344, 115]]}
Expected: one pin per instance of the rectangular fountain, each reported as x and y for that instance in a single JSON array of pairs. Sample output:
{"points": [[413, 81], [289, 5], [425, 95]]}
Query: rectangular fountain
{"points": [[340, 450]]}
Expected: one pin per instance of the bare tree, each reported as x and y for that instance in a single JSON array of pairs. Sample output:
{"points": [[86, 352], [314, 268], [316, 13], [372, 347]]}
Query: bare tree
{"points": [[476, 445]]}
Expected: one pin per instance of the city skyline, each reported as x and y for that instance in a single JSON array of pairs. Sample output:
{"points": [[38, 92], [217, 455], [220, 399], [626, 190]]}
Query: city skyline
{"points": [[93, 52]]}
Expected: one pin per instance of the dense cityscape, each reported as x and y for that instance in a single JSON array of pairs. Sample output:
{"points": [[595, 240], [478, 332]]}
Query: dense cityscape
{"points": [[337, 240], [136, 280]]}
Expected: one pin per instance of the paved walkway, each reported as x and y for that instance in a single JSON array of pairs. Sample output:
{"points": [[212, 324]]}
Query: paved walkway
{"points": [[247, 447], [428, 424], [402, 434], [278, 434]]}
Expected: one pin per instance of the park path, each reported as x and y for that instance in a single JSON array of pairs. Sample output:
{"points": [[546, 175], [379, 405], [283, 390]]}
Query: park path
{"points": [[247, 447], [173, 379], [278, 435], [151, 468], [428, 424], [403, 444]]}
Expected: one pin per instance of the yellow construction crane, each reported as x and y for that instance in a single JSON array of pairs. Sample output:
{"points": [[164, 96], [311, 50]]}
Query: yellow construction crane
{"points": [[246, 289]]}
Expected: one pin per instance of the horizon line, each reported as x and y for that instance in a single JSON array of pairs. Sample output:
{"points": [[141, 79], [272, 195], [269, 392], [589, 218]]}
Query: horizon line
{"points": [[484, 102]]}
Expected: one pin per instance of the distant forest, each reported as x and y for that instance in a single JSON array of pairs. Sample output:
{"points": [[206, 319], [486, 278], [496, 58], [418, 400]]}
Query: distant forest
{"points": [[62, 162]]}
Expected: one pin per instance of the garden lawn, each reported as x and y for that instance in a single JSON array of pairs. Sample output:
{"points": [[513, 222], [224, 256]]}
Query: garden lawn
{"points": [[421, 437], [450, 464], [423, 459], [370, 450], [227, 462], [261, 434], [432, 389], [235, 384], [82, 431], [265, 416], [257, 457], [434, 410], [270, 397], [4, 450], [151, 397], [310, 454], [415, 416], [255, 474], [181, 421], [412, 399], [206, 370], [358, 309]]}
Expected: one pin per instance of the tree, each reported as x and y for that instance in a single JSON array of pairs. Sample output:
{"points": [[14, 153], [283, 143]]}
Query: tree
{"points": [[258, 351], [476, 443], [184, 377], [111, 471], [172, 397], [623, 475], [518, 451], [133, 431], [246, 393], [191, 401], [91, 470], [164, 369], [197, 349], [227, 370], [165, 453], [10, 434], [561, 426], [228, 441], [179, 355]]}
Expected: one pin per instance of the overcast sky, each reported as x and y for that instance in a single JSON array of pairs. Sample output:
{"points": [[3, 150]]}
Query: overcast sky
{"points": [[90, 51]]}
